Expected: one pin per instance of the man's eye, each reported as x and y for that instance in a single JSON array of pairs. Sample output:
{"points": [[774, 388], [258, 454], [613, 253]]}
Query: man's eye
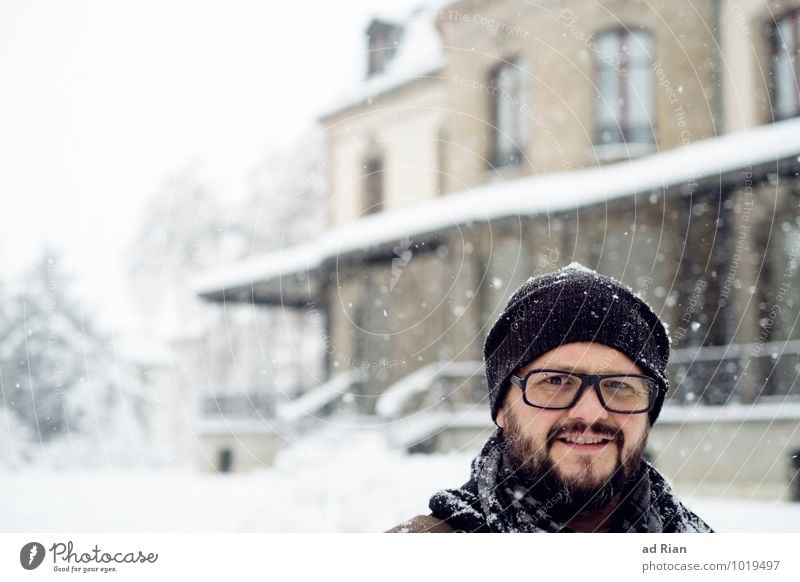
{"points": [[558, 380], [621, 387], [617, 384]]}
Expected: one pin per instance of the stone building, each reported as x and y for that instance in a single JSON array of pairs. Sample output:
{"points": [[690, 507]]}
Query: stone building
{"points": [[494, 140]]}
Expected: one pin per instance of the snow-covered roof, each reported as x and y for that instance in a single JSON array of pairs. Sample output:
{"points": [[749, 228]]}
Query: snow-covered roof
{"points": [[274, 265], [419, 54], [540, 194]]}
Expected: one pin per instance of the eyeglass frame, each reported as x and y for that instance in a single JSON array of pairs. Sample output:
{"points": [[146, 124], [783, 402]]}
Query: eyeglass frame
{"points": [[592, 380]]}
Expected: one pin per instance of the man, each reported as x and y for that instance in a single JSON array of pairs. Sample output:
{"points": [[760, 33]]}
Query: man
{"points": [[576, 372]]}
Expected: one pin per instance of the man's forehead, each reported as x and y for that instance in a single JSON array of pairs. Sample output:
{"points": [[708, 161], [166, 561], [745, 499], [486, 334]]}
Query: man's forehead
{"points": [[585, 358]]}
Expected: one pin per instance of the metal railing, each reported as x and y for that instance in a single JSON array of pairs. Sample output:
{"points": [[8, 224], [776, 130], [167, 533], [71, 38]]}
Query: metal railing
{"points": [[715, 375], [239, 406], [445, 382], [743, 373]]}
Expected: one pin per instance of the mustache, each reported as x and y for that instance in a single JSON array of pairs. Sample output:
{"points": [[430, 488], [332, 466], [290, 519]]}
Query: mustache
{"points": [[597, 429]]}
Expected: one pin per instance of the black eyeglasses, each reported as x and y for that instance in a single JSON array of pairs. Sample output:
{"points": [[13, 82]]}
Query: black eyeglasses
{"points": [[559, 390]]}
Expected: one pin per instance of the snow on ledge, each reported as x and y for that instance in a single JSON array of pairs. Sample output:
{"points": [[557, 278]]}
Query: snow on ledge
{"points": [[317, 398], [544, 193], [392, 401], [733, 412]]}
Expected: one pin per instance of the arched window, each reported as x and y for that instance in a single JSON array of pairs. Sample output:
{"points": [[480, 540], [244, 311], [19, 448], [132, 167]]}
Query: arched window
{"points": [[784, 39], [625, 101]]}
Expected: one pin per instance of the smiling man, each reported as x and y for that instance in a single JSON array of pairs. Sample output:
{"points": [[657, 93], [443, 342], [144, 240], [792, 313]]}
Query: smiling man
{"points": [[576, 372]]}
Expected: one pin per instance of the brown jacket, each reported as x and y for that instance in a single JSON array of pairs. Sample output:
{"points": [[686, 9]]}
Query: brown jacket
{"points": [[422, 524]]}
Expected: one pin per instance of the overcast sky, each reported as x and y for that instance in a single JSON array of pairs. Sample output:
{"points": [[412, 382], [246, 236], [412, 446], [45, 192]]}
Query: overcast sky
{"points": [[100, 100]]}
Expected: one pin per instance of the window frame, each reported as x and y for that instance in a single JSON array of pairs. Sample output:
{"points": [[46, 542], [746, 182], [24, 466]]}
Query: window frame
{"points": [[374, 193], [626, 132], [517, 133], [773, 40]]}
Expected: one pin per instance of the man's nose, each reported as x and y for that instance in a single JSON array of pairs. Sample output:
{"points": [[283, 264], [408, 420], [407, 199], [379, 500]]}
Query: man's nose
{"points": [[588, 407]]}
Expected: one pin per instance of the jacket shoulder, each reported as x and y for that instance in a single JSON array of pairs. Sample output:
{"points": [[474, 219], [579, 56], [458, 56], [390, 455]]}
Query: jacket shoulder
{"points": [[422, 524]]}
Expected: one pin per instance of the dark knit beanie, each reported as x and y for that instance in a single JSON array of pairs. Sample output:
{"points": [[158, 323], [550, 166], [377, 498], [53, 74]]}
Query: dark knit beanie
{"points": [[574, 304]]}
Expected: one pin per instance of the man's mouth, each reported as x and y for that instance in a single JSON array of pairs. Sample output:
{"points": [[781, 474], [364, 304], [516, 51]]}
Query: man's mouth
{"points": [[585, 443]]}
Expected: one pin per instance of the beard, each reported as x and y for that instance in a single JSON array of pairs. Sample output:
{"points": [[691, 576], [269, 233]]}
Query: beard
{"points": [[571, 495]]}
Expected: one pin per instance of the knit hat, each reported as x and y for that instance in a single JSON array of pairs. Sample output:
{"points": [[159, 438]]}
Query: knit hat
{"points": [[574, 304]]}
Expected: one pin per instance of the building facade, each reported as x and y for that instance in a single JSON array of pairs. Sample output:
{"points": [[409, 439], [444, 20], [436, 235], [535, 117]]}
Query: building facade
{"points": [[495, 140]]}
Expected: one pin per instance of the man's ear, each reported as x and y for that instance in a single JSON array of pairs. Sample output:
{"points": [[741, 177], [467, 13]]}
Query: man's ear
{"points": [[500, 418]]}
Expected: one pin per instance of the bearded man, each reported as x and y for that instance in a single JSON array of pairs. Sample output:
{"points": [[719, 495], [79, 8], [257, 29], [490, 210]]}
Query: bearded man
{"points": [[576, 368]]}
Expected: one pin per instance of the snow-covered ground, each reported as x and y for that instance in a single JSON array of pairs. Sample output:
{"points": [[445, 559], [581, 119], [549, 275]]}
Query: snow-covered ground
{"points": [[337, 480]]}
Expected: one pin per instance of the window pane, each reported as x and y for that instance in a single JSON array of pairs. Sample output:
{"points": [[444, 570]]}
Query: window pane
{"points": [[640, 104], [785, 94], [626, 96], [608, 88], [503, 113], [374, 185], [507, 102], [519, 105], [608, 106], [640, 48], [608, 50], [783, 85]]}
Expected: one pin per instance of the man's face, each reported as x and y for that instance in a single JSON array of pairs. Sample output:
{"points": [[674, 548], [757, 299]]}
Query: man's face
{"points": [[588, 475]]}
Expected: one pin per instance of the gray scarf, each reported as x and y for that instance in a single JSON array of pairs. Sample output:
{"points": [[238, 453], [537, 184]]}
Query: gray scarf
{"points": [[498, 499]]}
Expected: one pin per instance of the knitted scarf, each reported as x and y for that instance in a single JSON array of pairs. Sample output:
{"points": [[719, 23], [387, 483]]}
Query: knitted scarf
{"points": [[497, 499]]}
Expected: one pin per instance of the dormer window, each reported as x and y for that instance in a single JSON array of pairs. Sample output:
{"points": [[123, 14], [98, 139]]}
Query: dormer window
{"points": [[382, 39]]}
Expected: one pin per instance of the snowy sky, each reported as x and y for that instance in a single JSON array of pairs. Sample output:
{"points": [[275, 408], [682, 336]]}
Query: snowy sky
{"points": [[100, 100]]}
